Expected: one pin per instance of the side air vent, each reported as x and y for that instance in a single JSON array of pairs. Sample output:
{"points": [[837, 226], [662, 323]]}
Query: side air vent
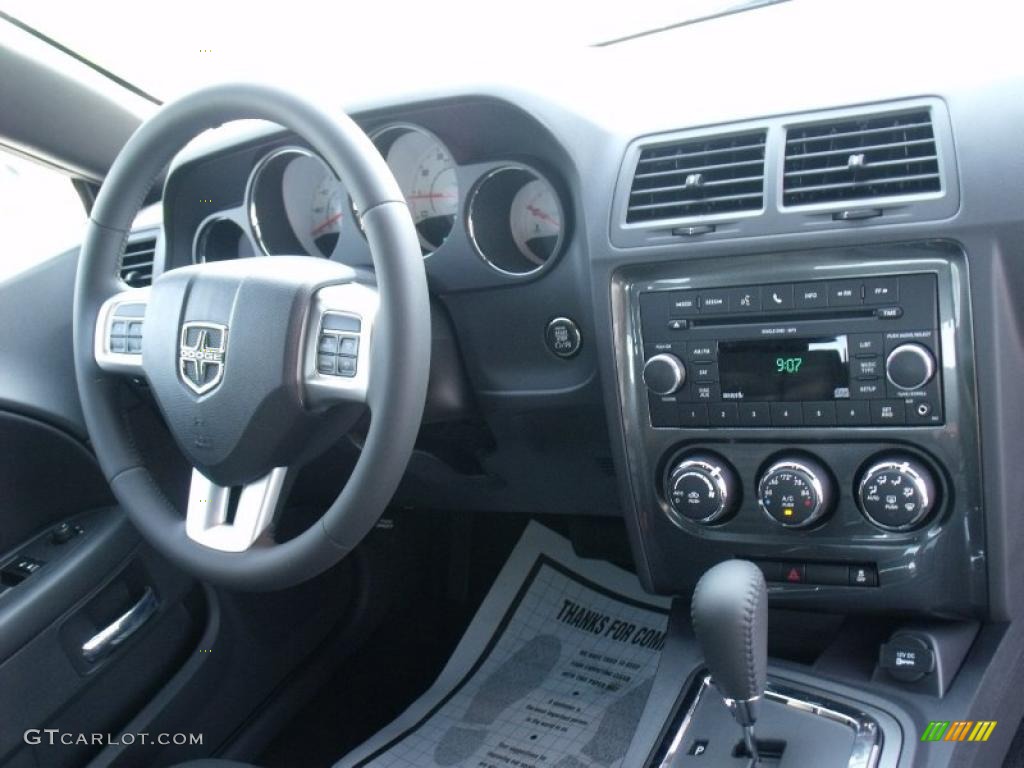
{"points": [[698, 177], [137, 263], [861, 158]]}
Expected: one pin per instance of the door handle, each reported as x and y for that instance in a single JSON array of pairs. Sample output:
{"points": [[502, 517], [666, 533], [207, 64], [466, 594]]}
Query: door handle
{"points": [[111, 637]]}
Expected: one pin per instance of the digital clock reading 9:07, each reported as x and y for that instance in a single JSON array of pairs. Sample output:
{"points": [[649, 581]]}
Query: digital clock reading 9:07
{"points": [[781, 370]]}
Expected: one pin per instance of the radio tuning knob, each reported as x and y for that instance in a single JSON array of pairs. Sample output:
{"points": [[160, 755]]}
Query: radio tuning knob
{"points": [[702, 487], [664, 374], [910, 366]]}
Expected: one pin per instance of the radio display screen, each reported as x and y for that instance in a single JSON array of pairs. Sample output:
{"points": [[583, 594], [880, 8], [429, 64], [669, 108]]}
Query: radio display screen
{"points": [[773, 370]]}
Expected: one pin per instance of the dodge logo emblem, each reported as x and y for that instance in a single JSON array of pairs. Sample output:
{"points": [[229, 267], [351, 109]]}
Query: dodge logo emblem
{"points": [[201, 355]]}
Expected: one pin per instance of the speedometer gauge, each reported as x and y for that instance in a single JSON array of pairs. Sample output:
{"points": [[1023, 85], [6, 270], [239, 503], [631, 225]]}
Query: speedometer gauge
{"points": [[425, 172]]}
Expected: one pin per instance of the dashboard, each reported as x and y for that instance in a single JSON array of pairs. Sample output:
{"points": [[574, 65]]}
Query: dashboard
{"points": [[737, 319]]}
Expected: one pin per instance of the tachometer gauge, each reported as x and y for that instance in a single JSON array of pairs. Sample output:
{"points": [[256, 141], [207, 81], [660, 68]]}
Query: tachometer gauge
{"points": [[425, 172], [516, 221], [536, 220], [296, 204]]}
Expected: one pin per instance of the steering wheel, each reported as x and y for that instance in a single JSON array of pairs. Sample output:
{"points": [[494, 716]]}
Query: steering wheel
{"points": [[256, 364]]}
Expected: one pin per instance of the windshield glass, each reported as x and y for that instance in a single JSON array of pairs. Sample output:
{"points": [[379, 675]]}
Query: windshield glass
{"points": [[167, 49]]}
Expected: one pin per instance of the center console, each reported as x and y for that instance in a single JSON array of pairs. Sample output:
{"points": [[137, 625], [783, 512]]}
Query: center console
{"points": [[814, 412]]}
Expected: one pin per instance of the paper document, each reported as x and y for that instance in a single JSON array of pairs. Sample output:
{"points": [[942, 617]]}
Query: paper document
{"points": [[553, 671]]}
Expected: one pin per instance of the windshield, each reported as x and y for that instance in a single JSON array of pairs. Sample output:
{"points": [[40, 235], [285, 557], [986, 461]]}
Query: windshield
{"points": [[167, 49]]}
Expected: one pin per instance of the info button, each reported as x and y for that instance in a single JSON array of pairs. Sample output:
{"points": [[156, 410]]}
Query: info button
{"points": [[811, 295]]}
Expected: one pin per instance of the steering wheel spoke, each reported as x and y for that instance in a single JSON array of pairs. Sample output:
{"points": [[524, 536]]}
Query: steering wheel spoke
{"points": [[119, 331], [337, 359], [232, 519]]}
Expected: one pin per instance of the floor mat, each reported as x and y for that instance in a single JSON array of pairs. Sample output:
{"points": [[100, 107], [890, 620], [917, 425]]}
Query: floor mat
{"points": [[554, 671]]}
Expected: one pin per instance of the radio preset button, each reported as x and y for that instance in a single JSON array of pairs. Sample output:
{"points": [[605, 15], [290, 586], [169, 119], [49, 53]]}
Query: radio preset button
{"points": [[888, 412], [787, 415], [755, 414], [723, 414], [683, 304], [819, 414], [810, 295], [693, 415], [881, 290], [777, 296], [845, 293], [853, 413]]}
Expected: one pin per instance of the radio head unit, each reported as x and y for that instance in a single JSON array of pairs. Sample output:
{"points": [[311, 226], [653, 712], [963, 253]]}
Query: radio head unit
{"points": [[852, 352]]}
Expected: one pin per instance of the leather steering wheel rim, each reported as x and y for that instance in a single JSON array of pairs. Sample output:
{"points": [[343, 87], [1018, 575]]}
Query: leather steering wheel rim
{"points": [[401, 336]]}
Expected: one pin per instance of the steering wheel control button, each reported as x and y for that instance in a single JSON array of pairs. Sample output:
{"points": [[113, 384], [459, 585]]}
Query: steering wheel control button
{"points": [[910, 366], [339, 321], [664, 374], [703, 488], [897, 494], [795, 492], [563, 338], [337, 355]]}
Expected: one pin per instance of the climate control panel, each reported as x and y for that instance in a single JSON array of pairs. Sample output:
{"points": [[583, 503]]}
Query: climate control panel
{"points": [[893, 492]]}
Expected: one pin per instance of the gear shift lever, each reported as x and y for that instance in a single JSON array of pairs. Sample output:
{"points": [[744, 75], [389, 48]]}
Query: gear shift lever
{"points": [[730, 617]]}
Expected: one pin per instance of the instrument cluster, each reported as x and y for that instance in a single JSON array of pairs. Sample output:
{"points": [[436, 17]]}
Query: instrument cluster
{"points": [[511, 215]]}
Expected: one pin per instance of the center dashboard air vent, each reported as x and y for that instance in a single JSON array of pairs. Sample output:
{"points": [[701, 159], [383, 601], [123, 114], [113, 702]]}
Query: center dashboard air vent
{"points": [[699, 177], [891, 155], [137, 262]]}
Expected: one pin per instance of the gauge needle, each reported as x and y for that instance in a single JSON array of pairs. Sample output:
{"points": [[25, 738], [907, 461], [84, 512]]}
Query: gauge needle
{"points": [[541, 215], [325, 224], [430, 196]]}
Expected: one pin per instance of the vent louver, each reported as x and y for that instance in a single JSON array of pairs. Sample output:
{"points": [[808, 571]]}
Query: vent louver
{"points": [[137, 263], [862, 158], [698, 177]]}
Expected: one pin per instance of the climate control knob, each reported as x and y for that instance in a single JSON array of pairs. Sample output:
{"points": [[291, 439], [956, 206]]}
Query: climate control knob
{"points": [[796, 491], [664, 374], [910, 366], [702, 487], [897, 494]]}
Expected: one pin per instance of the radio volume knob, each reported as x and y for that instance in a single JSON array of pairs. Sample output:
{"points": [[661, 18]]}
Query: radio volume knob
{"points": [[664, 374], [910, 366]]}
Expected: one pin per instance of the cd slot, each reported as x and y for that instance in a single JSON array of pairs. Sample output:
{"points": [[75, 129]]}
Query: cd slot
{"points": [[762, 318]]}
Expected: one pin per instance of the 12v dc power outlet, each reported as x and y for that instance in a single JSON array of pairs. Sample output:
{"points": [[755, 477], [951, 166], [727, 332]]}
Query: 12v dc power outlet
{"points": [[907, 658]]}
